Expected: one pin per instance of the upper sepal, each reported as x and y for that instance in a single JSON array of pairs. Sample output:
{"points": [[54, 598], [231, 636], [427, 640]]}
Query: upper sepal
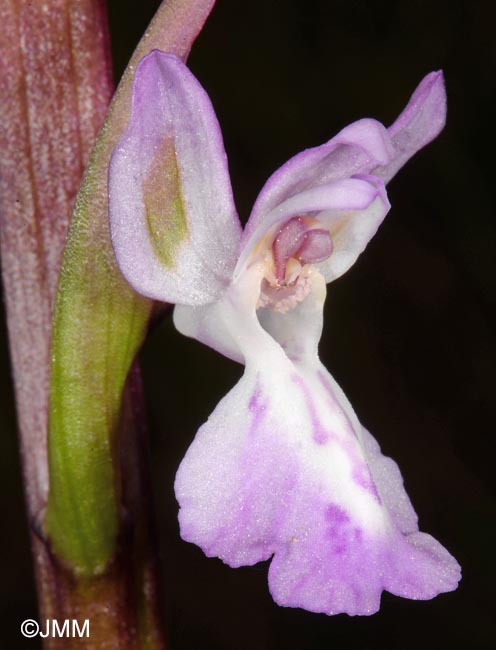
{"points": [[357, 149], [281, 469], [363, 147], [420, 122], [173, 222]]}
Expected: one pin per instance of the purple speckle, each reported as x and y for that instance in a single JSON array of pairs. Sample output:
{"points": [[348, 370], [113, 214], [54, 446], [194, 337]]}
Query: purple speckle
{"points": [[257, 406], [362, 477], [320, 435], [358, 533], [338, 533], [254, 402], [339, 549], [336, 515]]}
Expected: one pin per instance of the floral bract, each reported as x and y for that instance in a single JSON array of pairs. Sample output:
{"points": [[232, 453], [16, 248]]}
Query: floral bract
{"points": [[282, 468]]}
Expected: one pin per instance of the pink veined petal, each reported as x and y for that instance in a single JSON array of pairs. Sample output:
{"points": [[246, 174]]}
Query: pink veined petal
{"points": [[356, 149], [354, 548], [287, 330], [352, 209], [364, 147], [278, 470], [283, 469], [174, 226]]}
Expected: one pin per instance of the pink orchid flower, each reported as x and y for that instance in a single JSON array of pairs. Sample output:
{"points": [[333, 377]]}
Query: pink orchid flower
{"points": [[282, 469]]}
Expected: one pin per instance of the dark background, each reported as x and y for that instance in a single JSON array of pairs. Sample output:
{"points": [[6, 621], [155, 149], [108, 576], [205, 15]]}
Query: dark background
{"points": [[408, 330]]}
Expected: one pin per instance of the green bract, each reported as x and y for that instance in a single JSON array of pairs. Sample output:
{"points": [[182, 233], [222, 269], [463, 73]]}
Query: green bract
{"points": [[99, 323], [98, 326]]}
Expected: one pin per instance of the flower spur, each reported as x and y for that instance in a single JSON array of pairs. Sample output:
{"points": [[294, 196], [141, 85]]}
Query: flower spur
{"points": [[282, 468]]}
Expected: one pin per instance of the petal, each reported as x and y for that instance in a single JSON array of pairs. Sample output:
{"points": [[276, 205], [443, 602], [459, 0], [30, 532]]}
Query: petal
{"points": [[287, 330], [356, 149], [351, 231], [283, 468], [279, 470], [421, 121], [364, 147], [352, 209], [174, 226]]}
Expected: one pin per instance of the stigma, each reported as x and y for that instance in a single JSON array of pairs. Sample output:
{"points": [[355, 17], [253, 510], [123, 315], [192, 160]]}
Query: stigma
{"points": [[297, 245]]}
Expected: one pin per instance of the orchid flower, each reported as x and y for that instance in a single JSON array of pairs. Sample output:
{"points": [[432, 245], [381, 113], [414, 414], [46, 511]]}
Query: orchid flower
{"points": [[282, 469]]}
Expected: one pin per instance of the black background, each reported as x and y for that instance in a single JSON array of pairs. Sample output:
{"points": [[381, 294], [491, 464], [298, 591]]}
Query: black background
{"points": [[408, 329]]}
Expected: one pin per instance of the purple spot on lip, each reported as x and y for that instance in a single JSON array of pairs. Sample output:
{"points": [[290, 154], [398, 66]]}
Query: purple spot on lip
{"points": [[336, 515], [339, 549], [254, 402], [320, 436], [257, 407], [339, 531]]}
